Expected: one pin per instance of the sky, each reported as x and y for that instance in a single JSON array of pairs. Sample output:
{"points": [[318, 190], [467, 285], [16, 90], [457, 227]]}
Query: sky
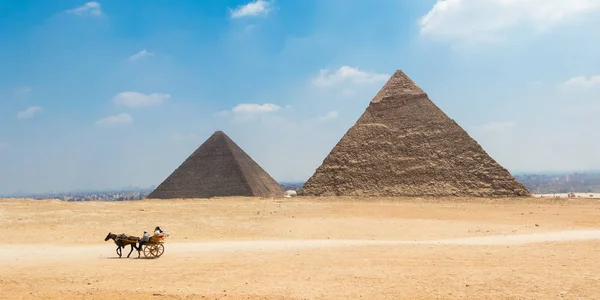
{"points": [[110, 93]]}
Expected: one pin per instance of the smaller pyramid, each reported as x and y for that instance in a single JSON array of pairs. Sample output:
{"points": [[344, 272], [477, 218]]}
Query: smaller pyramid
{"points": [[218, 168]]}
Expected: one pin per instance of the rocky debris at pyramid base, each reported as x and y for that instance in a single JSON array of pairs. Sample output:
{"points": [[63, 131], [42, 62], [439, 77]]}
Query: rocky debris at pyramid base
{"points": [[404, 145], [218, 168]]}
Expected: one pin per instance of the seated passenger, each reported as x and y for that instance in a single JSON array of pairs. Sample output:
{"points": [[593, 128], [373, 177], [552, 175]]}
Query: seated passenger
{"points": [[158, 232]]}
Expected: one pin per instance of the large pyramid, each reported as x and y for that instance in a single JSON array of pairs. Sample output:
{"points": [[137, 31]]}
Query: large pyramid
{"points": [[404, 145], [219, 167]]}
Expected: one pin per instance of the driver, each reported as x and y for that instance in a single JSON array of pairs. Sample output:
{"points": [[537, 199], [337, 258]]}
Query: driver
{"points": [[145, 238]]}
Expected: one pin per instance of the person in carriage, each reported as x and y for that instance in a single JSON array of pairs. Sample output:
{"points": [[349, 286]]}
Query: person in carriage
{"points": [[145, 238], [158, 231]]}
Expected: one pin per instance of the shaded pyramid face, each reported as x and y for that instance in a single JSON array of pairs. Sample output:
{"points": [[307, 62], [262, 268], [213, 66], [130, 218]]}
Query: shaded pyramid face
{"points": [[218, 168], [404, 145]]}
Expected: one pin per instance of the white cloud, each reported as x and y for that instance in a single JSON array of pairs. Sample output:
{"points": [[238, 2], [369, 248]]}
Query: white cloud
{"points": [[92, 8], [246, 112], [135, 99], [22, 91], [494, 127], [29, 112], [258, 7], [255, 108], [330, 116], [487, 20], [347, 74], [140, 55], [123, 118], [581, 82], [3, 145]]}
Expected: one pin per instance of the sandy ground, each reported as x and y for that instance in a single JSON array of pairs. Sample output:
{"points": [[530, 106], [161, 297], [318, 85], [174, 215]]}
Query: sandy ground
{"points": [[305, 248]]}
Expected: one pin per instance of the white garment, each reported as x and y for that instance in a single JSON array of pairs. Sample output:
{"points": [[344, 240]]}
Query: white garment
{"points": [[146, 237]]}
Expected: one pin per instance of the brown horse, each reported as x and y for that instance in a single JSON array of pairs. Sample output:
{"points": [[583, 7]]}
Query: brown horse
{"points": [[123, 240]]}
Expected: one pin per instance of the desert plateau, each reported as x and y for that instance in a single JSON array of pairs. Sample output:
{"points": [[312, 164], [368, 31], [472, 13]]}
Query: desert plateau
{"points": [[305, 248]]}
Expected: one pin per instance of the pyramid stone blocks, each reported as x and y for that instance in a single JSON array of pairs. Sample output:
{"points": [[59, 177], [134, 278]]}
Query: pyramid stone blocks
{"points": [[218, 168], [404, 145]]}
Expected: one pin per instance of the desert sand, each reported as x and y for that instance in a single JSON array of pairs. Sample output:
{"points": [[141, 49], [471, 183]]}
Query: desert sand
{"points": [[305, 248]]}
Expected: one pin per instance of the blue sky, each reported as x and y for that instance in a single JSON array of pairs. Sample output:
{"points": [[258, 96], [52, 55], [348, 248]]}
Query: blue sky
{"points": [[109, 94]]}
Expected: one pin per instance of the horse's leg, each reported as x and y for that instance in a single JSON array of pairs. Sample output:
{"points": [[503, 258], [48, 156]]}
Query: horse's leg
{"points": [[130, 250], [119, 251]]}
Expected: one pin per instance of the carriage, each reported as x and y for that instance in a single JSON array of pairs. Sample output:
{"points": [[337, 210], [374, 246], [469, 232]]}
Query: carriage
{"points": [[154, 248]]}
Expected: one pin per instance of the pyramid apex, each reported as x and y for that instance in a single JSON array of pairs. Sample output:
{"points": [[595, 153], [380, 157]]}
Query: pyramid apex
{"points": [[219, 133], [398, 86]]}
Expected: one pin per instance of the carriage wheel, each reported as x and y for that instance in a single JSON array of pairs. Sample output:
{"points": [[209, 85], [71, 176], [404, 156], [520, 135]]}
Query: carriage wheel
{"points": [[160, 249], [153, 250], [149, 251]]}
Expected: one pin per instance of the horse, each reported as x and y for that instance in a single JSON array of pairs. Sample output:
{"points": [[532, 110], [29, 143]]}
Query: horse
{"points": [[123, 240]]}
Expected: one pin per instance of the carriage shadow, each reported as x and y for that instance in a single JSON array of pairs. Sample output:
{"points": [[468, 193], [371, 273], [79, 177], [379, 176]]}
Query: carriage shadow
{"points": [[127, 258]]}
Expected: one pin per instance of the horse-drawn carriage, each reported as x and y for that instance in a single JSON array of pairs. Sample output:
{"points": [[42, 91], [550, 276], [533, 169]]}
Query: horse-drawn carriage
{"points": [[154, 248]]}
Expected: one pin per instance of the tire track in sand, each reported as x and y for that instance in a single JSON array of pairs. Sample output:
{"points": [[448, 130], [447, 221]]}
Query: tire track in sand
{"points": [[23, 253]]}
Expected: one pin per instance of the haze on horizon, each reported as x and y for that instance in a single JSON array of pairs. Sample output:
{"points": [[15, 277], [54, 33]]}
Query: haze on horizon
{"points": [[106, 94]]}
